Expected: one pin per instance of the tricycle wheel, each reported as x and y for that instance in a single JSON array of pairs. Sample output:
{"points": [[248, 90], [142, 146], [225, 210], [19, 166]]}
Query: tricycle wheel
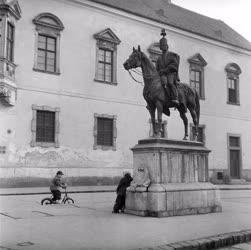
{"points": [[46, 201], [68, 200]]}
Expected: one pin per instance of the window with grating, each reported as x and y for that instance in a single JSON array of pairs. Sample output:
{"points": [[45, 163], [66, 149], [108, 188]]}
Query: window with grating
{"points": [[234, 141], [105, 131], [45, 130], [201, 137]]}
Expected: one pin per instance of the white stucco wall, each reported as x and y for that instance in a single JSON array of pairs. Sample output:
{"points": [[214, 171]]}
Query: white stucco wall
{"points": [[78, 96]]}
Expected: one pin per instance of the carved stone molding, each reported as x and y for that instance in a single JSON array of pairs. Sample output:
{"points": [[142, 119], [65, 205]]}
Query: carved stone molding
{"points": [[8, 94]]}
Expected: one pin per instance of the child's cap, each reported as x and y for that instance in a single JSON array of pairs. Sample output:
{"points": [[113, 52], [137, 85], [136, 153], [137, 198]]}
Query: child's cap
{"points": [[60, 172]]}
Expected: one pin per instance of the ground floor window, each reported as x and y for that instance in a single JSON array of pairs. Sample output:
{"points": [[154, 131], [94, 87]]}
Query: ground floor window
{"points": [[45, 126], [201, 133], [105, 132]]}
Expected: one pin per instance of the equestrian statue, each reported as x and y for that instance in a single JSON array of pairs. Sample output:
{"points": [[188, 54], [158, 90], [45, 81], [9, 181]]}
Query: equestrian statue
{"points": [[163, 89]]}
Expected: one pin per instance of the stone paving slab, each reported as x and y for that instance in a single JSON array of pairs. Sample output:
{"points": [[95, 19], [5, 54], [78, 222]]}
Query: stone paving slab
{"points": [[223, 241]]}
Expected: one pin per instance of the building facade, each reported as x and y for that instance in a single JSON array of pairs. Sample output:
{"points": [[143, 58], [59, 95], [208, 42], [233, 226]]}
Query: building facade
{"points": [[67, 103]]}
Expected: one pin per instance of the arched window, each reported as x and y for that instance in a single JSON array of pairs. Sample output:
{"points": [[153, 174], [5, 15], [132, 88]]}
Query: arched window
{"points": [[197, 64], [233, 71], [47, 43]]}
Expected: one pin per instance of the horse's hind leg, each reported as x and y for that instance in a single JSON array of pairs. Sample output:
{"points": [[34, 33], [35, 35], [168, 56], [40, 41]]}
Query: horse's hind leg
{"points": [[185, 121]]}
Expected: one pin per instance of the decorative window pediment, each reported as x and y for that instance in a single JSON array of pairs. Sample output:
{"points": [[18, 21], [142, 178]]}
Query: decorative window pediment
{"points": [[48, 20], [233, 68], [107, 35], [197, 59], [12, 7]]}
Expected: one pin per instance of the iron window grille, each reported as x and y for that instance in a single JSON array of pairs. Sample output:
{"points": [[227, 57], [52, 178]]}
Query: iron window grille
{"points": [[45, 131]]}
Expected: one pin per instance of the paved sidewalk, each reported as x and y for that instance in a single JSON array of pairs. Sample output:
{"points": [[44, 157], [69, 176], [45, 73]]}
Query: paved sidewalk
{"points": [[89, 224], [93, 189], [243, 246]]}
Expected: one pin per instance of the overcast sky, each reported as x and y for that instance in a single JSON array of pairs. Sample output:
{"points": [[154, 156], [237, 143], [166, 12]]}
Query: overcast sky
{"points": [[235, 13]]}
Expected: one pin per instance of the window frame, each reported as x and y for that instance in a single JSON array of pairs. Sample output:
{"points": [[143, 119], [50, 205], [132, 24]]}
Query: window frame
{"points": [[46, 50], [95, 132], [107, 40], [44, 138], [232, 73], [198, 63], [201, 126], [52, 30], [104, 63], [34, 142]]}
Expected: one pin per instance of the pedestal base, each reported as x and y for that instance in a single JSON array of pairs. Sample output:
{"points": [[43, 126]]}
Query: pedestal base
{"points": [[174, 199]]}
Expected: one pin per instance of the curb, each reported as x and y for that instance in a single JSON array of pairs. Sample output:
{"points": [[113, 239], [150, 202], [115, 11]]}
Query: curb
{"points": [[70, 192], [211, 242]]}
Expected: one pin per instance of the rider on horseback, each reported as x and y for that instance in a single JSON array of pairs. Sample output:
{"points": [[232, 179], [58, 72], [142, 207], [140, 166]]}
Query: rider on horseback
{"points": [[167, 66]]}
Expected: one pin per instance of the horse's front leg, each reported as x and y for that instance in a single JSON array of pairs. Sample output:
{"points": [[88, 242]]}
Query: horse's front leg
{"points": [[151, 110], [159, 106]]}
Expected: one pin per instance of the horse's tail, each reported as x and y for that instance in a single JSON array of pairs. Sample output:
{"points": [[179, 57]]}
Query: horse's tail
{"points": [[197, 106]]}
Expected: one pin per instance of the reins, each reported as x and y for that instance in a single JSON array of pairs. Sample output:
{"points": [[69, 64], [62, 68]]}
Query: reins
{"points": [[149, 76]]}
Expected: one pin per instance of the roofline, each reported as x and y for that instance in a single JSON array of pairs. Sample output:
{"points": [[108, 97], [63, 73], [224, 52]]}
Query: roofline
{"points": [[172, 25]]}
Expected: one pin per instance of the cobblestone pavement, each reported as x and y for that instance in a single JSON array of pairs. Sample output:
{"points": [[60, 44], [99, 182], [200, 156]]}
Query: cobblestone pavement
{"points": [[90, 224]]}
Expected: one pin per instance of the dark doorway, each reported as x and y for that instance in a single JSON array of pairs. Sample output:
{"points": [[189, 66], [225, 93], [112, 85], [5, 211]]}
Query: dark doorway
{"points": [[234, 157]]}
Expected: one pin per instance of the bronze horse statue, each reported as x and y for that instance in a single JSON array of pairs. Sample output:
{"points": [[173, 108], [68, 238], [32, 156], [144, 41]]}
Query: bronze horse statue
{"points": [[158, 98]]}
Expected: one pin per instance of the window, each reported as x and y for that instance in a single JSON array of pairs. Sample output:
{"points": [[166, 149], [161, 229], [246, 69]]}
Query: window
{"points": [[233, 71], [105, 65], [48, 28], [10, 42], [197, 64], [105, 132], [201, 133], [45, 126], [163, 129], [46, 53], [106, 56], [232, 90], [195, 80]]}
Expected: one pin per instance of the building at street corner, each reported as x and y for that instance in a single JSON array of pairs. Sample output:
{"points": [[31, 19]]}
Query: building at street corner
{"points": [[67, 103]]}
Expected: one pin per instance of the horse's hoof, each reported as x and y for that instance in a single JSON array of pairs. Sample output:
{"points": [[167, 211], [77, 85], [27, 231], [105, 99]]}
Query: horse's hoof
{"points": [[185, 138]]}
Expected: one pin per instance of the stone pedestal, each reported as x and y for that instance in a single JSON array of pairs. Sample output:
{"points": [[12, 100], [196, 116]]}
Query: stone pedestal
{"points": [[178, 171]]}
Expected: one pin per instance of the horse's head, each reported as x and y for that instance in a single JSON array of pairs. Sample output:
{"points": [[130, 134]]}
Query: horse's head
{"points": [[134, 60]]}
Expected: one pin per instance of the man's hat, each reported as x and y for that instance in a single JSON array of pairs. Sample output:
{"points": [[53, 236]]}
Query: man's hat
{"points": [[163, 40], [60, 172]]}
